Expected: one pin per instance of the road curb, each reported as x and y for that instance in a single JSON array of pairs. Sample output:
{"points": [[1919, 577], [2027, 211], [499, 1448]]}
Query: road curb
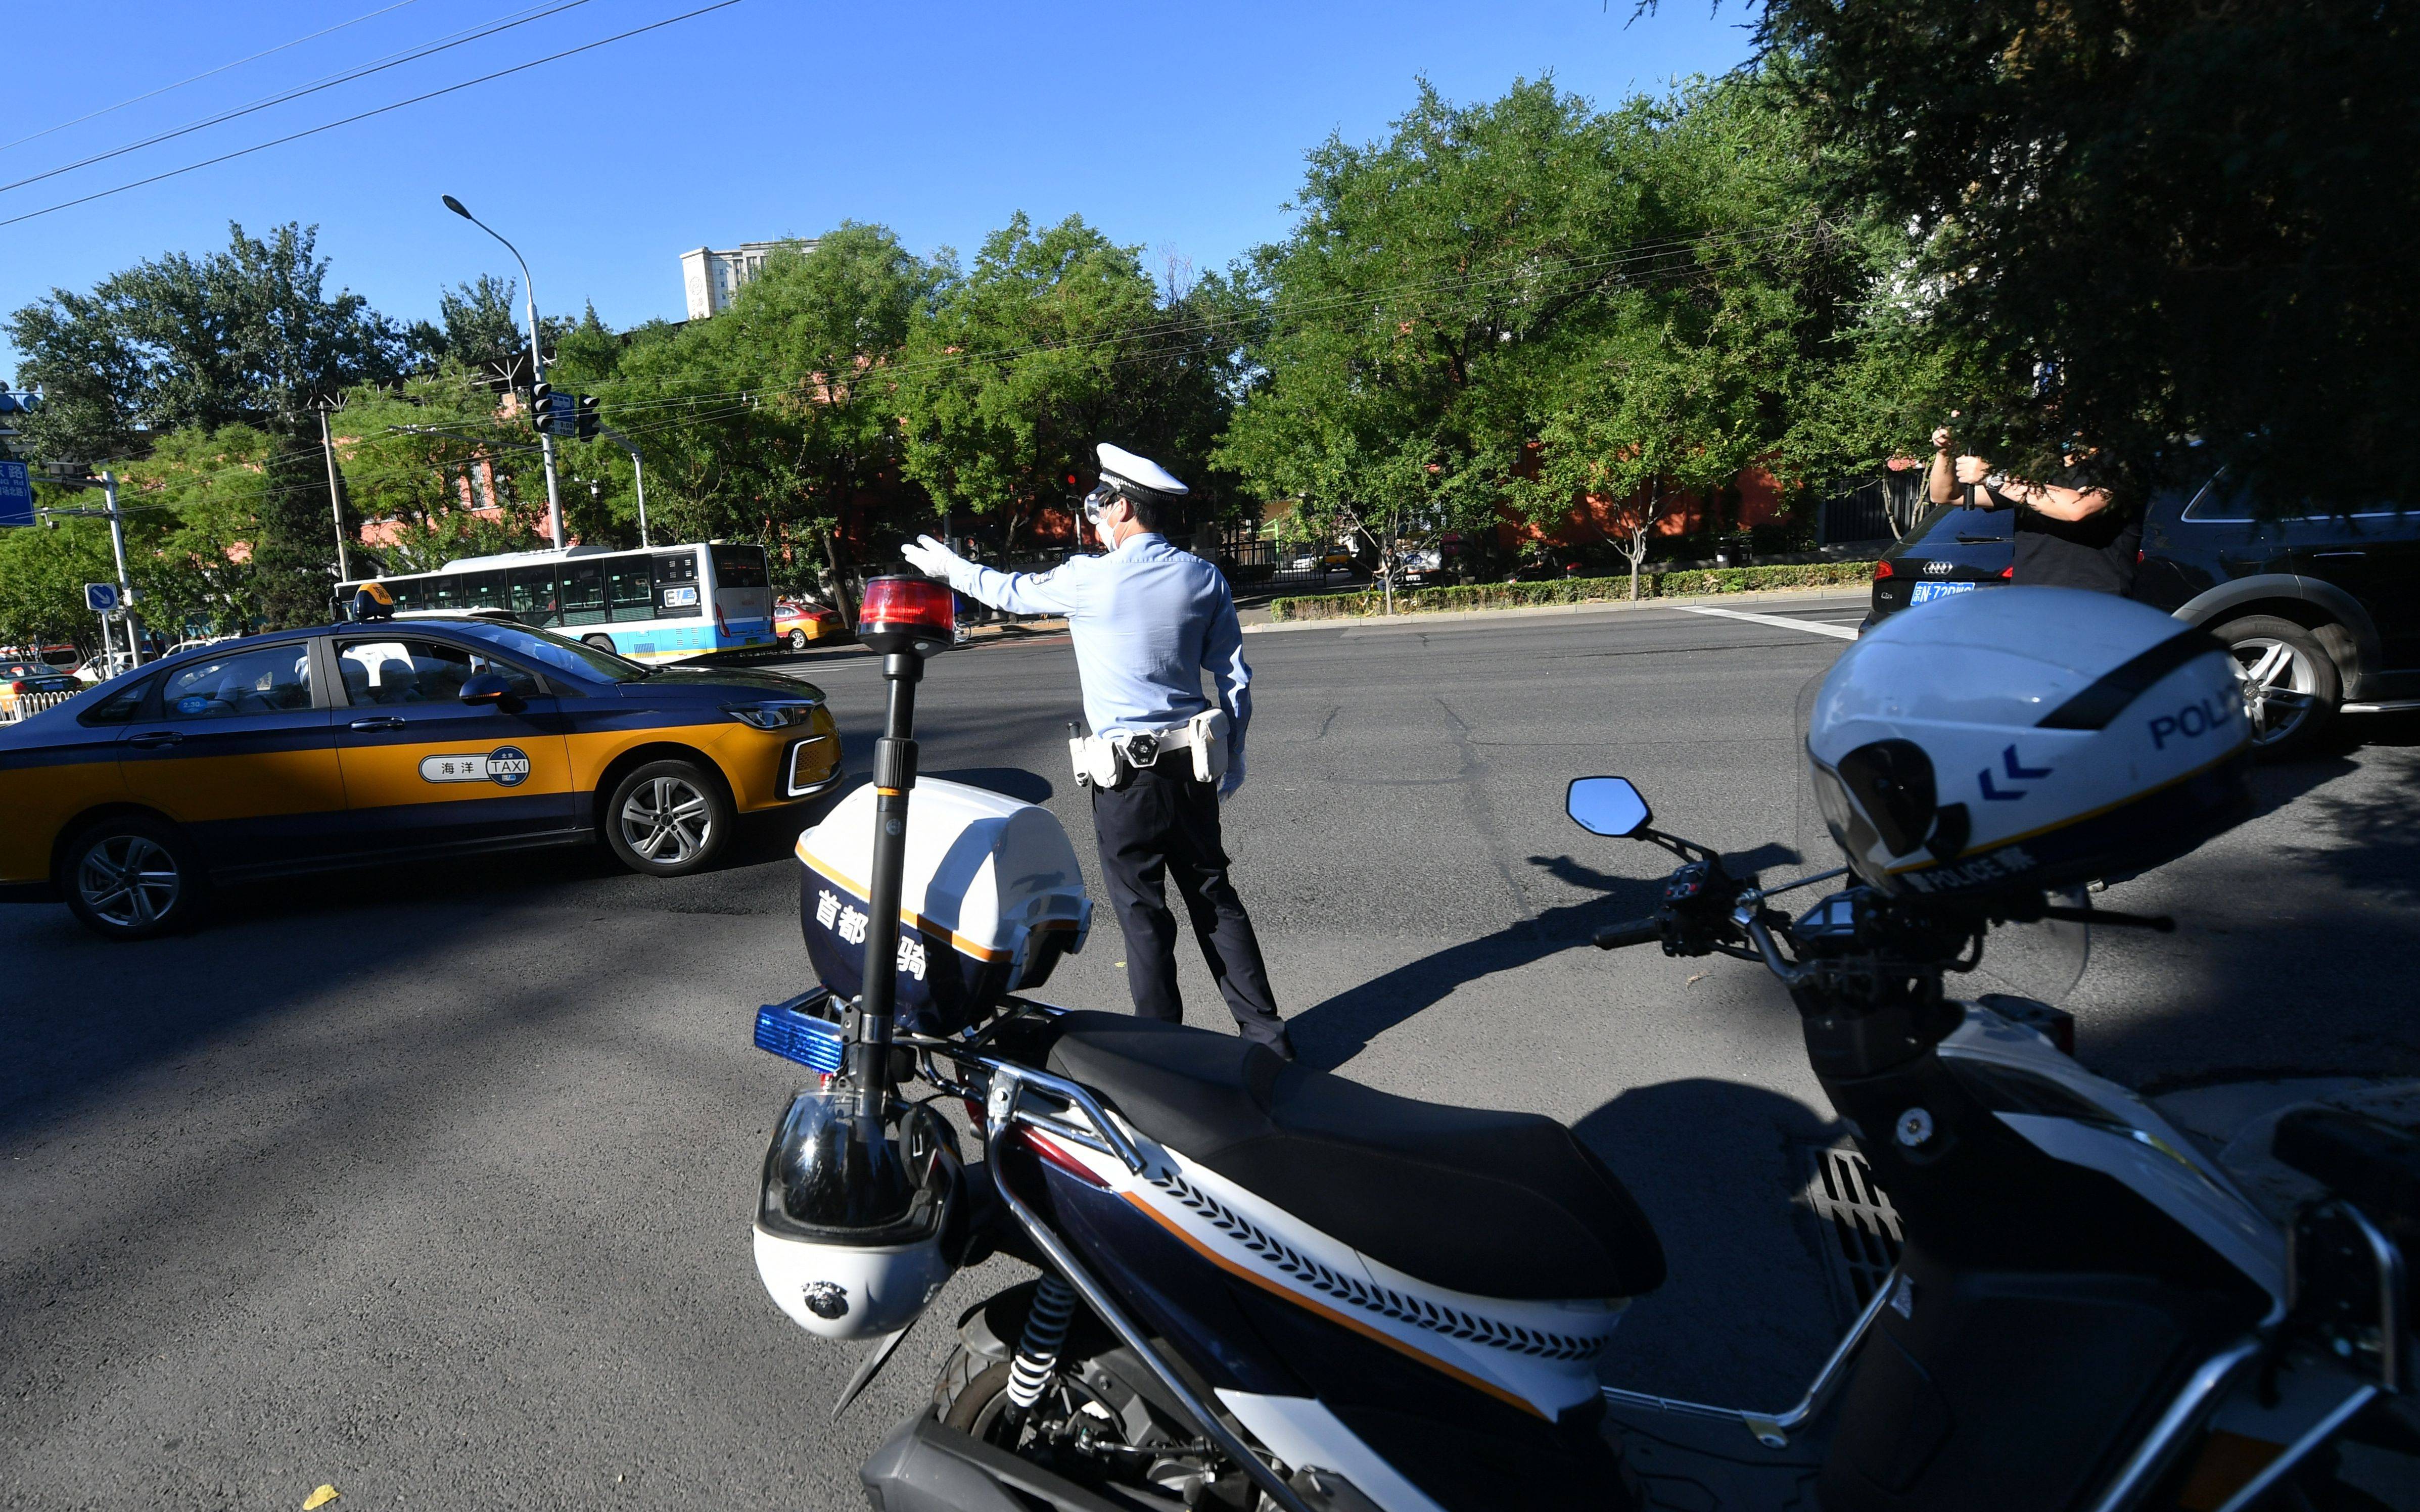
{"points": [[1432, 618]]}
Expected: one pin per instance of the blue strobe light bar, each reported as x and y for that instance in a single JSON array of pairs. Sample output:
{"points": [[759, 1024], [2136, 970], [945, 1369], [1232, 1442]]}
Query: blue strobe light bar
{"points": [[812, 1042]]}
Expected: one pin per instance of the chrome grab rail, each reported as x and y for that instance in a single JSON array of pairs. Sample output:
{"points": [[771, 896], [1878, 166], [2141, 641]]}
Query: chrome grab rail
{"points": [[2192, 1402], [1009, 1084], [1772, 1429]]}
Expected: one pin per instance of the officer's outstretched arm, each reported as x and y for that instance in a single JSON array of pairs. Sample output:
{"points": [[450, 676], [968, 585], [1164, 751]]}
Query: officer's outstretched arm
{"points": [[1058, 592]]}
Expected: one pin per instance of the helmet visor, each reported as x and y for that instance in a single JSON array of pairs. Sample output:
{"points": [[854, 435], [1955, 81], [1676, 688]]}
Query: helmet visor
{"points": [[2044, 960]]}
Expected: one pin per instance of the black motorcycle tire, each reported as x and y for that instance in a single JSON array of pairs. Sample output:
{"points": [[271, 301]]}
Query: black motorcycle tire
{"points": [[973, 1388], [970, 1391]]}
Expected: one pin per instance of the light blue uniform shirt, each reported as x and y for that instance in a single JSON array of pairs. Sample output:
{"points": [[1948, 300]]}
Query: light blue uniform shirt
{"points": [[1147, 621]]}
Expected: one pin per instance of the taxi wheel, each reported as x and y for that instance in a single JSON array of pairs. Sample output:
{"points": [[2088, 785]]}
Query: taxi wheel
{"points": [[798, 641], [667, 819], [132, 878]]}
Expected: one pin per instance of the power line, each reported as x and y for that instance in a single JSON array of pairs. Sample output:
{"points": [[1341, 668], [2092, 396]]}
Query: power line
{"points": [[95, 115], [393, 60], [363, 115]]}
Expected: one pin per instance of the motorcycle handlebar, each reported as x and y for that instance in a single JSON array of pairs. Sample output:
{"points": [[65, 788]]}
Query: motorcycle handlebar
{"points": [[1636, 932]]}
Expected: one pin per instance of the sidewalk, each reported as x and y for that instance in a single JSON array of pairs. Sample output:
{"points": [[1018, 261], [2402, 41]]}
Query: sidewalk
{"points": [[1256, 621]]}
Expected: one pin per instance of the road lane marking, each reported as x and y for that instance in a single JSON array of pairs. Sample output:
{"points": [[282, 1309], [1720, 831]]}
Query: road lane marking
{"points": [[1844, 632]]}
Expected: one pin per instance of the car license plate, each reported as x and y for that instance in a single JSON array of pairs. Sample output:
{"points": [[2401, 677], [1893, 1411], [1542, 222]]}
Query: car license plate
{"points": [[1927, 593]]}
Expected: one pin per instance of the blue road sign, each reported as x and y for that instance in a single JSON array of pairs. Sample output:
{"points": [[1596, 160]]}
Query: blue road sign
{"points": [[16, 495], [561, 416], [102, 598]]}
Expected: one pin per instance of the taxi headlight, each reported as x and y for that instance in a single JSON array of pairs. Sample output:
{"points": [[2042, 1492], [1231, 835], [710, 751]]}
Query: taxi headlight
{"points": [[773, 714]]}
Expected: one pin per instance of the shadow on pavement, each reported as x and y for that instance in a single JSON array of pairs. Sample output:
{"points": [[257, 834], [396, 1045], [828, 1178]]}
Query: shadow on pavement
{"points": [[2293, 952], [1714, 1165], [1331, 1033]]}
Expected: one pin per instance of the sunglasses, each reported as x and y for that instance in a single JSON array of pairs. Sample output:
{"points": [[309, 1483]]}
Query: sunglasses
{"points": [[1098, 500]]}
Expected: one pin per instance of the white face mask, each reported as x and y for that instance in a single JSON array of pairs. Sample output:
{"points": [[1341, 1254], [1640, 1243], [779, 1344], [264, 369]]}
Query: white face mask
{"points": [[1094, 502]]}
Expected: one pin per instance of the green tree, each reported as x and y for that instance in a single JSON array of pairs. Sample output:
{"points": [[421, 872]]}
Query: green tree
{"points": [[1053, 341], [2143, 218], [777, 419], [1529, 302], [425, 459], [1729, 354], [241, 336], [191, 509], [481, 321]]}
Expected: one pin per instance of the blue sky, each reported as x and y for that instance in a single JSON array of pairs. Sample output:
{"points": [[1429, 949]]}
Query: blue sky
{"points": [[1179, 128]]}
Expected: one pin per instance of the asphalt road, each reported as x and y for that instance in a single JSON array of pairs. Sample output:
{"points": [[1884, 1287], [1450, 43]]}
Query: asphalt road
{"points": [[435, 1186]]}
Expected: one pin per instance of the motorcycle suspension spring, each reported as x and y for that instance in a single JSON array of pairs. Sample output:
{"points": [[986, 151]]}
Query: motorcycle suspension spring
{"points": [[1037, 1352]]}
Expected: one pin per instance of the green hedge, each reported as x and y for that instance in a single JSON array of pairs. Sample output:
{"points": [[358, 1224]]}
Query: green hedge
{"points": [[1575, 591]]}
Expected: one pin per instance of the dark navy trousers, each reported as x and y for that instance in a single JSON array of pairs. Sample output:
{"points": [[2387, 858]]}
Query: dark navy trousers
{"points": [[1165, 824]]}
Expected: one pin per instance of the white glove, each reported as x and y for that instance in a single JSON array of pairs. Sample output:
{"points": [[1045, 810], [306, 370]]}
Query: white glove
{"points": [[1235, 777], [933, 559]]}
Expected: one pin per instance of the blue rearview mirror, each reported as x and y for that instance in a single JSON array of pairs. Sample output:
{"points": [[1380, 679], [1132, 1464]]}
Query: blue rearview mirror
{"points": [[1606, 806]]}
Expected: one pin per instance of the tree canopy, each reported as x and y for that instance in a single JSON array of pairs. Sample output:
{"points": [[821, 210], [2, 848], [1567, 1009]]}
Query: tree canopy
{"points": [[244, 336], [1051, 341], [2142, 219], [1529, 302]]}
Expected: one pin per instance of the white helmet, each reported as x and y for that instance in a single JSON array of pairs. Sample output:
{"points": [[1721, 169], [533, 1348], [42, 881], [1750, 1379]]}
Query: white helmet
{"points": [[2027, 738], [852, 1221]]}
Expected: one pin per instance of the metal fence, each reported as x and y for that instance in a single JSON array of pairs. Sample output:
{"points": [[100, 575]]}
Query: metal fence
{"points": [[1252, 561], [26, 705], [1879, 509]]}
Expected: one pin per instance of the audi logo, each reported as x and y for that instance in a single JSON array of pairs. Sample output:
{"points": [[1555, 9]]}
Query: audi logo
{"points": [[1937, 569]]}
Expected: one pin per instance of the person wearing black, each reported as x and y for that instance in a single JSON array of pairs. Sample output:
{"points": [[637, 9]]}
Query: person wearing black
{"points": [[2070, 532]]}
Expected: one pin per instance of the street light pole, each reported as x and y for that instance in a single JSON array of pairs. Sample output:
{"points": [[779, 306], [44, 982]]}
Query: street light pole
{"points": [[125, 589], [537, 372], [107, 484], [638, 475], [335, 507]]}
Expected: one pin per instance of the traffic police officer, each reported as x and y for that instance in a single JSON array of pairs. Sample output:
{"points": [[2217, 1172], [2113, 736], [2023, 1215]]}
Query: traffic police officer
{"points": [[1147, 619]]}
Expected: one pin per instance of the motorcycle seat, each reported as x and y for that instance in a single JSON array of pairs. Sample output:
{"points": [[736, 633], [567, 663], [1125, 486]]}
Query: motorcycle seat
{"points": [[1489, 1203]]}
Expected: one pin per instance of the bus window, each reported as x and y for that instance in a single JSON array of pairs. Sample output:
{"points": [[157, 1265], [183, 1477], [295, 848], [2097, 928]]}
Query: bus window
{"points": [[739, 566], [676, 594], [535, 600], [410, 593], [445, 593], [482, 590], [584, 591], [628, 588]]}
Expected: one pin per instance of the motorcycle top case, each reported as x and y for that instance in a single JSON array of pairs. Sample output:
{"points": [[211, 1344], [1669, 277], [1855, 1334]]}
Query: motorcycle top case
{"points": [[990, 897]]}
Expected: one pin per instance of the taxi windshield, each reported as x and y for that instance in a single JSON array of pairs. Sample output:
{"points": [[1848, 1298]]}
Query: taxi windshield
{"points": [[558, 653]]}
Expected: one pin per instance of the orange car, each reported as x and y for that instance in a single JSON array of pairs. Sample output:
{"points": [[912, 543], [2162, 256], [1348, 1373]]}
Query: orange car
{"points": [[799, 622]]}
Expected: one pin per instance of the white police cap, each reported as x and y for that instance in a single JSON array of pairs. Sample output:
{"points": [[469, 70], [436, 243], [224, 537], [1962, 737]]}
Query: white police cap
{"points": [[1121, 466]]}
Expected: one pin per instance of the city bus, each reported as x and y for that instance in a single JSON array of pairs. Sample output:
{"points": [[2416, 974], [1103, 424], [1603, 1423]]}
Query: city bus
{"points": [[665, 604]]}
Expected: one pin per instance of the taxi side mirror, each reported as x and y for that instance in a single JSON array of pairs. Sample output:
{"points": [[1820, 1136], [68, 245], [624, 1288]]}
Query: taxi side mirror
{"points": [[493, 691]]}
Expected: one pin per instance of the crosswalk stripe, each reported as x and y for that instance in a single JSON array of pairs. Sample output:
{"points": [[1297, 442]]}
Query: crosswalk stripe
{"points": [[1844, 632]]}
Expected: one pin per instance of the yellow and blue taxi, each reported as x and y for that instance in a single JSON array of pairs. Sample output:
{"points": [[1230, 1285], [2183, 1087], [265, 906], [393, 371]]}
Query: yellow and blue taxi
{"points": [[362, 744]]}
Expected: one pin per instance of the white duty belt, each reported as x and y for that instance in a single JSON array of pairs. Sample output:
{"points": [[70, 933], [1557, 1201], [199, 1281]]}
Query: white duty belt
{"points": [[1111, 761]]}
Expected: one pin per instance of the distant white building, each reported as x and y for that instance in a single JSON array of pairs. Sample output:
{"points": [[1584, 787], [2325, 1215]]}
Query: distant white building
{"points": [[712, 278]]}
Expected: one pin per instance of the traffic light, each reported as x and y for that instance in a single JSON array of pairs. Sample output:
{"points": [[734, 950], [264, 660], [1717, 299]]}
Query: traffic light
{"points": [[541, 404], [588, 423]]}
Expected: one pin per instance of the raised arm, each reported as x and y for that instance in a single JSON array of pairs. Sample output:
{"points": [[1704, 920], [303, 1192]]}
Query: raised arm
{"points": [[1063, 589]]}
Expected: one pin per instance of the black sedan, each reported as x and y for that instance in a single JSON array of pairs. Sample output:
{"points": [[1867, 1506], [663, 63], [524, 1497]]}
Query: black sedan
{"points": [[2321, 609]]}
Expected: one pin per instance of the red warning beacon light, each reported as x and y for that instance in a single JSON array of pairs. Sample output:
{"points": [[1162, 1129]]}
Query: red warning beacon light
{"points": [[908, 614]]}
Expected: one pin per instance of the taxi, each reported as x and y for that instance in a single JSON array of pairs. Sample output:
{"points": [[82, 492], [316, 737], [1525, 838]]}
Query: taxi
{"points": [[801, 623], [23, 682], [363, 744]]}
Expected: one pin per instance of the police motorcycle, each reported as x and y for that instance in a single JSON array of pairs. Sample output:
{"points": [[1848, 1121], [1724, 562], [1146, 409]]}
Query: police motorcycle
{"points": [[1262, 1286]]}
